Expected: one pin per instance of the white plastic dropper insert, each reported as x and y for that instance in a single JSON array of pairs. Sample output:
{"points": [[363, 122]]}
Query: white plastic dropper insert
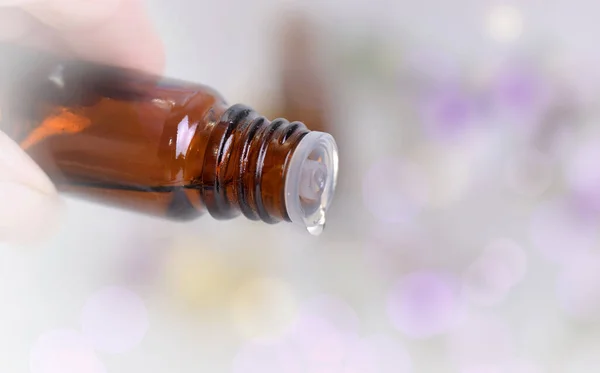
{"points": [[311, 180]]}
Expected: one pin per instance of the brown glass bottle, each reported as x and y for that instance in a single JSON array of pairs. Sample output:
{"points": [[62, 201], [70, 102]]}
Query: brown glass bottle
{"points": [[161, 146]]}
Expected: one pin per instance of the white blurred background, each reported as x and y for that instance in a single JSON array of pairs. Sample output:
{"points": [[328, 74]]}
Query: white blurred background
{"points": [[463, 239]]}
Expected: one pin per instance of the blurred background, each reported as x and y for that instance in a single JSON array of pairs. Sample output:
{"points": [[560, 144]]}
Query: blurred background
{"points": [[463, 237]]}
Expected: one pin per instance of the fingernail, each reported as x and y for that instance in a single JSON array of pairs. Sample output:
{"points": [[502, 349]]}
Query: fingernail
{"points": [[26, 214]]}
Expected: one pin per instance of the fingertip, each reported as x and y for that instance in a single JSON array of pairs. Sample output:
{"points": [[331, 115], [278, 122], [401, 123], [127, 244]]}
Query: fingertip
{"points": [[30, 208], [17, 167], [156, 61], [147, 55], [116, 32], [28, 216], [72, 15]]}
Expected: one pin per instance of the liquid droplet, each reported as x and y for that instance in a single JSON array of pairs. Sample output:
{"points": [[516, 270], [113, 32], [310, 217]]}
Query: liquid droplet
{"points": [[316, 230], [318, 227]]}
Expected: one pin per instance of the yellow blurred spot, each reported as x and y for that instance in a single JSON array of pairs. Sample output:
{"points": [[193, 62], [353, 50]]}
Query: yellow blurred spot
{"points": [[263, 308], [505, 23], [201, 277]]}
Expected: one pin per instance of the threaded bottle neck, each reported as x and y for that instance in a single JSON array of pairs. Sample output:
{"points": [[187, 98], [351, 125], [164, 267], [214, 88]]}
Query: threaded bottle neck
{"points": [[245, 165]]}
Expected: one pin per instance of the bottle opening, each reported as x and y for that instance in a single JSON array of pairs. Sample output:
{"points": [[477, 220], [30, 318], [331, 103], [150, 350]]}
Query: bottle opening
{"points": [[311, 180]]}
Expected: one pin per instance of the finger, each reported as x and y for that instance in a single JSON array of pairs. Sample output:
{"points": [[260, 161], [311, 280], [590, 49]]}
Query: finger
{"points": [[8, 3], [29, 204], [15, 23], [17, 166], [110, 31], [27, 216], [73, 15]]}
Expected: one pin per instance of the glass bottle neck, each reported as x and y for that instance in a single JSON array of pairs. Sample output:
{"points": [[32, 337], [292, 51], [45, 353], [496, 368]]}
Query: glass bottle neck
{"points": [[268, 170]]}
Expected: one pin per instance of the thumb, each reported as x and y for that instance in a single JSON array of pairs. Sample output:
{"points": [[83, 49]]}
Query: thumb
{"points": [[29, 204]]}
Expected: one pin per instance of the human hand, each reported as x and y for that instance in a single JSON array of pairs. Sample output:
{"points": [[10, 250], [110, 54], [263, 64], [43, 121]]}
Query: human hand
{"points": [[116, 32]]}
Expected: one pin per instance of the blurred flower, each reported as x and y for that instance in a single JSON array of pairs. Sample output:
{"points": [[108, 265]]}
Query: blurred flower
{"points": [[393, 190], [518, 95], [263, 308], [115, 320], [447, 113], [64, 351], [518, 88], [489, 279], [578, 287], [425, 304], [561, 232]]}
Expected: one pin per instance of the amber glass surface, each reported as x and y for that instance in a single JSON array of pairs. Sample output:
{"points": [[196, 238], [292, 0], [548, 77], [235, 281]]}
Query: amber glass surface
{"points": [[142, 142]]}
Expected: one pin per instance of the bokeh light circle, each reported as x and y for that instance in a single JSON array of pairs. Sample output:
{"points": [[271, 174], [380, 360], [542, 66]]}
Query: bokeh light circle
{"points": [[323, 330], [334, 311], [64, 351], [322, 338], [505, 23], [115, 320], [578, 287], [200, 276], [263, 308], [425, 303], [560, 232], [490, 277]]}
